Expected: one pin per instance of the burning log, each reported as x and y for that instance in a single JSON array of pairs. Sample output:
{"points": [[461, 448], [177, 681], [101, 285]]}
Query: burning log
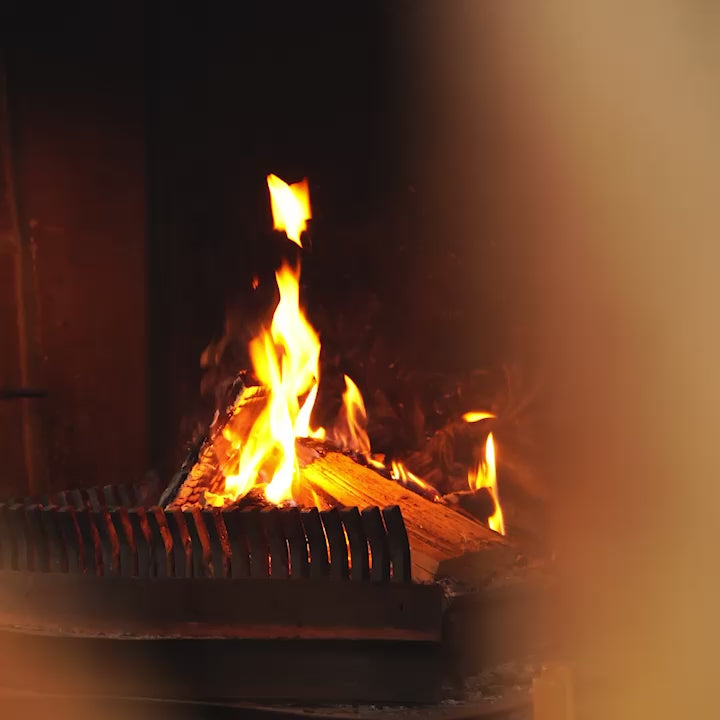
{"points": [[436, 532], [478, 503]]}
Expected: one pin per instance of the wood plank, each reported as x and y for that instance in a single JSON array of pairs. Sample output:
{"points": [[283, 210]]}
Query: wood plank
{"points": [[436, 532], [216, 457]]}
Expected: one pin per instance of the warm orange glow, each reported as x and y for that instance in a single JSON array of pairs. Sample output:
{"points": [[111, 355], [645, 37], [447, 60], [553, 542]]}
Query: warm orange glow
{"points": [[349, 431], [400, 473], [286, 362], [476, 415], [375, 462], [486, 477], [290, 206]]}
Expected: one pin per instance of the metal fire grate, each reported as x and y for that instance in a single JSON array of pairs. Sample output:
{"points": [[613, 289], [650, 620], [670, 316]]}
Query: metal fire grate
{"points": [[118, 531]]}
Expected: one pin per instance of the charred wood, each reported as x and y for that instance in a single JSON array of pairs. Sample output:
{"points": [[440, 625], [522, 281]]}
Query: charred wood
{"points": [[436, 532]]}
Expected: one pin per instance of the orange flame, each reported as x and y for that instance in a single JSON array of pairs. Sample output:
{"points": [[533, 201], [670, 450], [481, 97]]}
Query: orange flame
{"points": [[350, 430], [290, 206], [476, 415], [486, 477], [286, 362], [400, 473], [285, 359]]}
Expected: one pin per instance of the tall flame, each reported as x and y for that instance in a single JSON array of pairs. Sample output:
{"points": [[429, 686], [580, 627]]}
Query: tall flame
{"points": [[286, 362], [350, 431], [290, 206], [486, 477]]}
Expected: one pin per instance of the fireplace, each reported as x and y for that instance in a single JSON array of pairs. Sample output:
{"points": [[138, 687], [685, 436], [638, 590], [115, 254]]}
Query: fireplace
{"points": [[281, 543], [388, 544]]}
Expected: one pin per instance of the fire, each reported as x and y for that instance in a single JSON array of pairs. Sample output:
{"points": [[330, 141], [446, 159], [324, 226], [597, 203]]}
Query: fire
{"points": [[486, 477], [400, 473], [349, 432], [290, 206], [286, 362], [476, 415]]}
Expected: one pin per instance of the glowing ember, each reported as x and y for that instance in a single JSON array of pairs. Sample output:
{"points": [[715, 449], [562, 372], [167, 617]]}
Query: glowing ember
{"points": [[486, 477], [290, 206], [400, 473], [476, 415]]}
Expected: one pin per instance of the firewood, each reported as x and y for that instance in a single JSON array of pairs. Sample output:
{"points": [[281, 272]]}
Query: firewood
{"points": [[436, 532], [246, 410], [478, 503], [216, 456]]}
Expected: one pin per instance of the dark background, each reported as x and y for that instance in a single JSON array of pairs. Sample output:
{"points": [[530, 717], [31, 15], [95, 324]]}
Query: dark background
{"points": [[141, 137]]}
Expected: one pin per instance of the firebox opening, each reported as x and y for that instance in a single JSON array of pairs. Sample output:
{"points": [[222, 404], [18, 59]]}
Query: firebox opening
{"points": [[269, 320]]}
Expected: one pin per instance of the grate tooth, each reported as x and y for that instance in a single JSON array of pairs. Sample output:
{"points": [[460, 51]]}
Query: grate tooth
{"points": [[91, 553], [55, 543], [317, 543], [96, 500], [359, 560], [126, 545], [160, 543], [199, 543], [37, 539], [182, 559], [212, 518], [238, 542], [8, 547], [77, 499], [19, 530], [257, 542], [337, 544], [141, 535], [398, 544], [123, 495], [109, 543], [110, 496], [62, 499], [377, 538], [291, 525], [66, 520], [277, 543], [146, 492]]}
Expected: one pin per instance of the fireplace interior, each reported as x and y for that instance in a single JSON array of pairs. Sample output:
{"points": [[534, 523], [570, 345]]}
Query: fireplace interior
{"points": [[253, 468]]}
